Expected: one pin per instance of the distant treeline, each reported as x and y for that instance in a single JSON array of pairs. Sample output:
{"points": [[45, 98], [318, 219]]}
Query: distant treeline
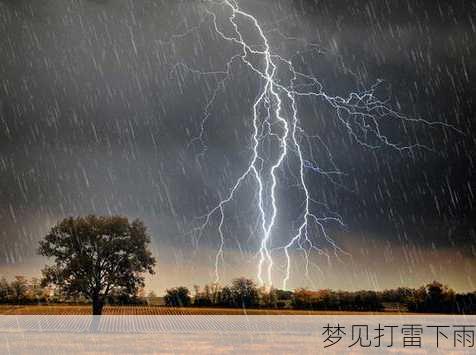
{"points": [[432, 298], [22, 291], [244, 293]]}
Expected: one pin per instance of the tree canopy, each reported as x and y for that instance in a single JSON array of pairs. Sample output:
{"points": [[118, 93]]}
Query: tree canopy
{"points": [[178, 297], [94, 256]]}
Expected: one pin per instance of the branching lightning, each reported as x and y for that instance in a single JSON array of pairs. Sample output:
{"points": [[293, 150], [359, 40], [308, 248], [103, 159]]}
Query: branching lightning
{"points": [[361, 114]]}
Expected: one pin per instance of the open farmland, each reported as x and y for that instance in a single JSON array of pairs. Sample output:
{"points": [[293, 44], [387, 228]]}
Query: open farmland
{"points": [[158, 310]]}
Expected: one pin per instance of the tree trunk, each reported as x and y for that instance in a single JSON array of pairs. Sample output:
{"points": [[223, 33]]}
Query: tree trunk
{"points": [[97, 306]]}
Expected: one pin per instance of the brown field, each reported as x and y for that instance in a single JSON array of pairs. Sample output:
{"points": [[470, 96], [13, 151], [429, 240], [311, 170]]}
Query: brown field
{"points": [[161, 310]]}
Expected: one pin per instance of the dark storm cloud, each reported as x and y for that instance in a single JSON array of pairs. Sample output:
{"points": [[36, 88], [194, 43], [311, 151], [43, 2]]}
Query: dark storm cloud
{"points": [[95, 119], [424, 50]]}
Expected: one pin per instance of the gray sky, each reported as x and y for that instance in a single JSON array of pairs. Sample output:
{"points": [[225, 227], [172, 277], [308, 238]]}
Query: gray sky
{"points": [[96, 117]]}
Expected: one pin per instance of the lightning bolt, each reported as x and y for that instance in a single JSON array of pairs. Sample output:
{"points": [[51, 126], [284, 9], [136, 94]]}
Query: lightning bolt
{"points": [[360, 113]]}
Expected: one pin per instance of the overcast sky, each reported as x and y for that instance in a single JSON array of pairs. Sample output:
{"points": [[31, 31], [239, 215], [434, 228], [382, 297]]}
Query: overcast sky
{"points": [[98, 115]]}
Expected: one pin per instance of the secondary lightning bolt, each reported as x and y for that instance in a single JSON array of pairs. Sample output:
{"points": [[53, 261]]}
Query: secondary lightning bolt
{"points": [[360, 114]]}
